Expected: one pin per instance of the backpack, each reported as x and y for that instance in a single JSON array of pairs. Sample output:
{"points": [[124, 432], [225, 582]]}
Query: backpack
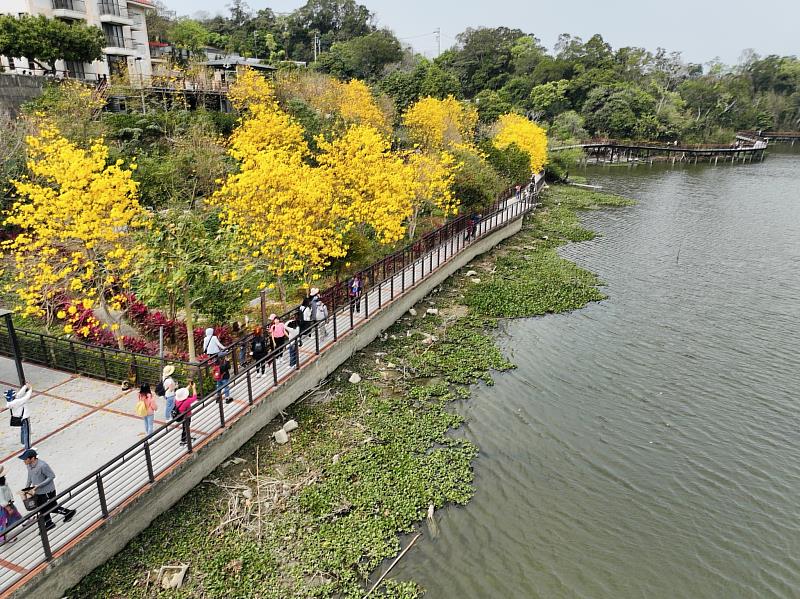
{"points": [[216, 373], [176, 413], [258, 346], [161, 391], [141, 409]]}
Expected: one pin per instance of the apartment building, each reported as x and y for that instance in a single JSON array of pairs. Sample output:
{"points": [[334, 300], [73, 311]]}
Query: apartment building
{"points": [[122, 22]]}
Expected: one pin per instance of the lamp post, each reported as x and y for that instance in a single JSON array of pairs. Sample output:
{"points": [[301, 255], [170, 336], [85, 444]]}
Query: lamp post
{"points": [[14, 342], [141, 81]]}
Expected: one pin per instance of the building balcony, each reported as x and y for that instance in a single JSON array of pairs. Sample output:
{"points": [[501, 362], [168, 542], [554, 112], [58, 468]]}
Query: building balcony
{"points": [[69, 9], [113, 12], [120, 46]]}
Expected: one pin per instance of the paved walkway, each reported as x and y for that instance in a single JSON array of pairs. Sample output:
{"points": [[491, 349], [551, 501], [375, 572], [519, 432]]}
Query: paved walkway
{"points": [[77, 423], [80, 425]]}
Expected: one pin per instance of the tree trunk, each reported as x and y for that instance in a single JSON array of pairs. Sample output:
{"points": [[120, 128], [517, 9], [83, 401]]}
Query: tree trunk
{"points": [[187, 306]]}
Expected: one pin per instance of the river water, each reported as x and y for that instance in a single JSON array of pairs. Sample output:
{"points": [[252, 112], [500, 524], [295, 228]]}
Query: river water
{"points": [[647, 445]]}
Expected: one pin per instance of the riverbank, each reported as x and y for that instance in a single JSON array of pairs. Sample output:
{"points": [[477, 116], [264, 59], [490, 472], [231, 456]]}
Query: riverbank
{"points": [[316, 516]]}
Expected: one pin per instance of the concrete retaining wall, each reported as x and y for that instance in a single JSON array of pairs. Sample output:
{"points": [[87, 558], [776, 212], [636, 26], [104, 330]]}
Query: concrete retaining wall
{"points": [[16, 90], [103, 542]]}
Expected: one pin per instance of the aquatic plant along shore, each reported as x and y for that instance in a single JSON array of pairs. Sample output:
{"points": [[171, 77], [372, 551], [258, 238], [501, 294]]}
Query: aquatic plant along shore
{"points": [[318, 516]]}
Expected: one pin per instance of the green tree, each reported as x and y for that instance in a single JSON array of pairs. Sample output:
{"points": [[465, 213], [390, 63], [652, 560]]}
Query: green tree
{"points": [[188, 34], [549, 99], [621, 111], [484, 59], [511, 163], [186, 262], [362, 57], [44, 41], [491, 105], [332, 20], [425, 79]]}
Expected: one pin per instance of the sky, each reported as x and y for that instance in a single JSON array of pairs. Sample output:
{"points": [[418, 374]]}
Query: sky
{"points": [[701, 30]]}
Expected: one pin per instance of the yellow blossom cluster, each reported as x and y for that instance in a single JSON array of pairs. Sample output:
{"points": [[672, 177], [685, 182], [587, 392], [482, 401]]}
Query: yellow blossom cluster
{"points": [[74, 216], [527, 135], [291, 211], [440, 124]]}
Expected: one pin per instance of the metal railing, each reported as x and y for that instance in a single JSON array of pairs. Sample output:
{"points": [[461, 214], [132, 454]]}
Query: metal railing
{"points": [[109, 487]]}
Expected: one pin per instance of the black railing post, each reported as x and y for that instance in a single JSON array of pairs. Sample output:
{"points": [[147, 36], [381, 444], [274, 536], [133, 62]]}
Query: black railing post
{"points": [[74, 357], [366, 305], [45, 353], [249, 387], [105, 366], [316, 337], [221, 409], [102, 495], [391, 285], [275, 366], [379, 295], [297, 351], [187, 430], [335, 293], [48, 554], [352, 309], [149, 459]]}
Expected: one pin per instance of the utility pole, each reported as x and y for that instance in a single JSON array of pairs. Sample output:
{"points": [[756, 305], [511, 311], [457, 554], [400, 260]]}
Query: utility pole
{"points": [[316, 45], [438, 32]]}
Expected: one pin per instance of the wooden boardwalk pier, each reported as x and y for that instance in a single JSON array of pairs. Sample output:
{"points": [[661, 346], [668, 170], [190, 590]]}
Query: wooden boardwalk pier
{"points": [[744, 149], [789, 137]]}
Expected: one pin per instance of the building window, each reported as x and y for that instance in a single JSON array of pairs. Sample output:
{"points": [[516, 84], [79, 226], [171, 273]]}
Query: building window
{"points": [[117, 65], [114, 36], [110, 7], [75, 69]]}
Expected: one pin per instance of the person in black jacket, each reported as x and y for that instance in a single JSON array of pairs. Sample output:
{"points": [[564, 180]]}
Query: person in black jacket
{"points": [[259, 348]]}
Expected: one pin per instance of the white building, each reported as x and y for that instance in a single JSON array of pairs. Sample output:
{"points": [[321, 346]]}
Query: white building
{"points": [[122, 22]]}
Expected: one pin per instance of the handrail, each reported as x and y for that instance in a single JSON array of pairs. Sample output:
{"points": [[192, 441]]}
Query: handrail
{"points": [[107, 488]]}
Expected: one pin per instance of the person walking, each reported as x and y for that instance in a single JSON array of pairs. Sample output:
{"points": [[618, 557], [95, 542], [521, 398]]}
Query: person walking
{"points": [[258, 347], [305, 321], [170, 388], [9, 514], [20, 415], [184, 398], [319, 312], [41, 486], [292, 330], [354, 291], [278, 334], [146, 408], [212, 346], [221, 372]]}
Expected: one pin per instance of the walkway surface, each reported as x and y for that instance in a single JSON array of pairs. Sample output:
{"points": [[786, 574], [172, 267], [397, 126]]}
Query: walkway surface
{"points": [[87, 429]]}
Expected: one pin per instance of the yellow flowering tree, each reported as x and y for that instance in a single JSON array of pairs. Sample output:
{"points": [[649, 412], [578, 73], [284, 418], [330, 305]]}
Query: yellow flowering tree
{"points": [[440, 124], [433, 175], [264, 126], [372, 186], [250, 89], [74, 214], [280, 210], [354, 103], [528, 136]]}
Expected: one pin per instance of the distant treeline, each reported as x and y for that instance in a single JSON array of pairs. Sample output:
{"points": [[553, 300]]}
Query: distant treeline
{"points": [[579, 88]]}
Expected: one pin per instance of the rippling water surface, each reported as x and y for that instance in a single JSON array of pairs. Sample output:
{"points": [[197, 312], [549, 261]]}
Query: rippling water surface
{"points": [[647, 445]]}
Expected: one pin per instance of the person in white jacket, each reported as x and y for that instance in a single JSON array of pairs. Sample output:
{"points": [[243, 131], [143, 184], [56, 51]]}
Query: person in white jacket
{"points": [[20, 412]]}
